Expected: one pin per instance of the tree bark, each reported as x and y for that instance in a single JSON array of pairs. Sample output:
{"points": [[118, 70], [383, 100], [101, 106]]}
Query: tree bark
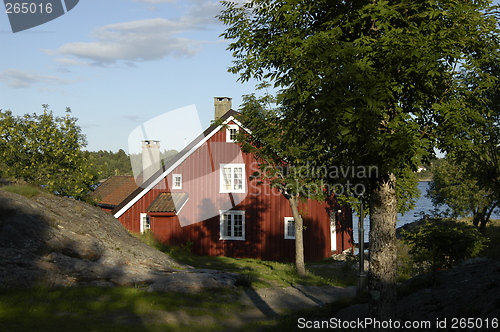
{"points": [[299, 239], [479, 220], [382, 273]]}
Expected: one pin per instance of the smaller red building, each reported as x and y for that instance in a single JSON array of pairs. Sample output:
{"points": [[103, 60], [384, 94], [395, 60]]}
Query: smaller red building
{"points": [[205, 196]]}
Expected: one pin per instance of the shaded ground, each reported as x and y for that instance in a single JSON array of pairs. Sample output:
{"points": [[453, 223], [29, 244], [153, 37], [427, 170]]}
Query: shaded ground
{"points": [[273, 301], [270, 303]]}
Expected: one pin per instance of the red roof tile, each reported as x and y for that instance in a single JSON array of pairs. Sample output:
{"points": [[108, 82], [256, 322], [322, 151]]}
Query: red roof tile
{"points": [[168, 202], [115, 190]]}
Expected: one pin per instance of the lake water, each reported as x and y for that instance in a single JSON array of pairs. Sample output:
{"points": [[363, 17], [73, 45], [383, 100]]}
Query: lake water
{"points": [[423, 206]]}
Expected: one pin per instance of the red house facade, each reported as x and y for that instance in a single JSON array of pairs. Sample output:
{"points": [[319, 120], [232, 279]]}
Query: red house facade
{"points": [[205, 196]]}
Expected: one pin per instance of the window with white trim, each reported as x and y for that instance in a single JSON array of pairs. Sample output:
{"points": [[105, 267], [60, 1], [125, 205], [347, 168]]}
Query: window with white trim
{"points": [[232, 225], [145, 222], [177, 181], [289, 228], [231, 133], [232, 178]]}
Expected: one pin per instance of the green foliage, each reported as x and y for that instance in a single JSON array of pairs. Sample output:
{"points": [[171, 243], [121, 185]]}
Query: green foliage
{"points": [[150, 239], [366, 82], [442, 243], [45, 150], [406, 266], [407, 190], [492, 233], [25, 190], [187, 246], [470, 131], [244, 280], [109, 163], [364, 75], [455, 185], [283, 164]]}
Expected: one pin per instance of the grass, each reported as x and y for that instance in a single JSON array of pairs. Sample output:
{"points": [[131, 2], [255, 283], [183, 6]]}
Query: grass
{"points": [[114, 309], [259, 273], [25, 190]]}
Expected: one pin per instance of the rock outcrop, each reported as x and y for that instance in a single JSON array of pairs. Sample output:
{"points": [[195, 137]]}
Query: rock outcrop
{"points": [[55, 241], [465, 294]]}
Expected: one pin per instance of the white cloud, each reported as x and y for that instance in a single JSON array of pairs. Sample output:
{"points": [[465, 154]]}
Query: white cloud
{"points": [[205, 12], [144, 40], [24, 79], [72, 62], [147, 39]]}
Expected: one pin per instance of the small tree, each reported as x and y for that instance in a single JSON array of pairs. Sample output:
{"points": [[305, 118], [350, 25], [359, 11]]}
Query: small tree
{"points": [[280, 163], [454, 185], [45, 150]]}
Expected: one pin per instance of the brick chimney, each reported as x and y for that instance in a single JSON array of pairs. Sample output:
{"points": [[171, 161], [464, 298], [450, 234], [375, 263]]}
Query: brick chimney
{"points": [[151, 161], [222, 106]]}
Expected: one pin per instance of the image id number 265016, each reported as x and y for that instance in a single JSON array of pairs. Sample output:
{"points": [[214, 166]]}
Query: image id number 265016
{"points": [[28, 8]]}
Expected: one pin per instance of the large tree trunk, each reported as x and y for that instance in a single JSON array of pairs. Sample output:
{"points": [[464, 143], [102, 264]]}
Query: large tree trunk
{"points": [[299, 239], [382, 273]]}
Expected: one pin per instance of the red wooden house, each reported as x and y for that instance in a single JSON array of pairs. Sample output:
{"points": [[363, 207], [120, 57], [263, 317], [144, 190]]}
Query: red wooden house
{"points": [[205, 196]]}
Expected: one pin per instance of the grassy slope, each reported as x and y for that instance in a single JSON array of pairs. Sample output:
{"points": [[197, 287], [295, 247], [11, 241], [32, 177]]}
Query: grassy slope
{"points": [[264, 273]]}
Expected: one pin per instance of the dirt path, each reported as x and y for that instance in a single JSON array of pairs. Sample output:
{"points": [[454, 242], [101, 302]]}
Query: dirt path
{"points": [[268, 303]]}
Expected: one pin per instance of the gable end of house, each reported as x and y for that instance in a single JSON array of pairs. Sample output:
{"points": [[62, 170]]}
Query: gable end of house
{"points": [[172, 164]]}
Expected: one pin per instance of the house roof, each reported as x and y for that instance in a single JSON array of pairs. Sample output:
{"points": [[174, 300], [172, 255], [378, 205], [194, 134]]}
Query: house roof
{"points": [[168, 202], [114, 190], [173, 163]]}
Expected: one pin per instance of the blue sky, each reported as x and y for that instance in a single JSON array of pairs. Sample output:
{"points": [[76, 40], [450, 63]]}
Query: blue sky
{"points": [[120, 63]]}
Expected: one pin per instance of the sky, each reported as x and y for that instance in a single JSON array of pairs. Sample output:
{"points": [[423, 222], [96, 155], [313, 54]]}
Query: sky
{"points": [[128, 69], [123, 66]]}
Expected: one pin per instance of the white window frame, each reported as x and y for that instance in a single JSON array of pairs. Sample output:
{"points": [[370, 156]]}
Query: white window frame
{"points": [[230, 128], [174, 185], [223, 181], [223, 227], [287, 222], [145, 222]]}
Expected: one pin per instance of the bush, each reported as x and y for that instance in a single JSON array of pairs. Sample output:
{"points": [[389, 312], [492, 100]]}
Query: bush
{"points": [[406, 268], [442, 243]]}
